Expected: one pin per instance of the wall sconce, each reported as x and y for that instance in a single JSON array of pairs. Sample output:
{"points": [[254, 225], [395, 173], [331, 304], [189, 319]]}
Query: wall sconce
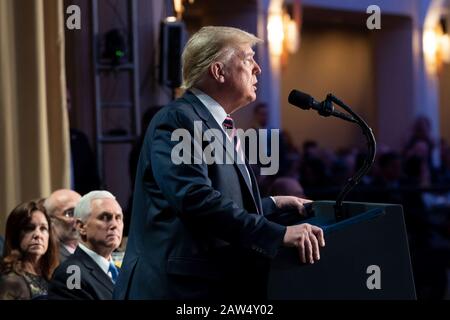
{"points": [[275, 33], [444, 41], [283, 29], [292, 34], [178, 7], [430, 44], [436, 46]]}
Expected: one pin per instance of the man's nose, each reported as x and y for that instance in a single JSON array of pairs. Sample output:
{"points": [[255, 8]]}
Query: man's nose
{"points": [[257, 69], [114, 223]]}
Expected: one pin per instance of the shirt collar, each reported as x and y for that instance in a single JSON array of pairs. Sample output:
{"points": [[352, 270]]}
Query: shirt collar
{"points": [[216, 110], [69, 248], [101, 261]]}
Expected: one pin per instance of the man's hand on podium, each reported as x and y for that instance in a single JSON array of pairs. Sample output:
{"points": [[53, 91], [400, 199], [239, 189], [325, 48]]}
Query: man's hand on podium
{"points": [[307, 238], [288, 203]]}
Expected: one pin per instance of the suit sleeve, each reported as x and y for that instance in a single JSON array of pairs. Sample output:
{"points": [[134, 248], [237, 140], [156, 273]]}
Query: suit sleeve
{"points": [[189, 190], [269, 207], [285, 218]]}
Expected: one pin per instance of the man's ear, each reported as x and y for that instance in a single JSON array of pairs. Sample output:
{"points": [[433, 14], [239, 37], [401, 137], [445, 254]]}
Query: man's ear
{"points": [[81, 227], [217, 71]]}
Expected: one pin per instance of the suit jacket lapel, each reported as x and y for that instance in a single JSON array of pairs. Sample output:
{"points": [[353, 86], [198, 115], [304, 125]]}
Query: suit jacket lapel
{"points": [[96, 271], [63, 251], [211, 123]]}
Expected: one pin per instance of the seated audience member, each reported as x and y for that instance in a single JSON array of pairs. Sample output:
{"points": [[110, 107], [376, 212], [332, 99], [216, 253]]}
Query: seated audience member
{"points": [[421, 132], [388, 179], [30, 253], [313, 173], [60, 207], [444, 170], [90, 271], [390, 171]]}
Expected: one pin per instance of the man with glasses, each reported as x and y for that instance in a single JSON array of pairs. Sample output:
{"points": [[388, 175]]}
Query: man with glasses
{"points": [[60, 206]]}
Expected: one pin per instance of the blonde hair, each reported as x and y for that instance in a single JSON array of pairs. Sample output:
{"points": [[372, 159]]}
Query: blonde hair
{"points": [[208, 45]]}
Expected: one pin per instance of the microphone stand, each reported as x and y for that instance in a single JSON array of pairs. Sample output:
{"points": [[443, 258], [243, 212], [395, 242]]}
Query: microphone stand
{"points": [[368, 161]]}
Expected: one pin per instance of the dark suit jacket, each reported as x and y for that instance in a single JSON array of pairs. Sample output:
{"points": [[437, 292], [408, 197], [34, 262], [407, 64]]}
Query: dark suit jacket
{"points": [[95, 283], [197, 231]]}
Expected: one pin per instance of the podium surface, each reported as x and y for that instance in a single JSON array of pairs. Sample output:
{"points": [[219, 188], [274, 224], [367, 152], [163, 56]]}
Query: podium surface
{"points": [[366, 257]]}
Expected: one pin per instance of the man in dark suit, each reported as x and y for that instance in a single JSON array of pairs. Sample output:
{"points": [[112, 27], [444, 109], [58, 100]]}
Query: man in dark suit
{"points": [[90, 274], [60, 206], [200, 230]]}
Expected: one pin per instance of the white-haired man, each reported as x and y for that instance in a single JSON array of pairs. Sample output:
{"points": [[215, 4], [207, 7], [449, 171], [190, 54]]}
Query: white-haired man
{"points": [[201, 230], [60, 205], [90, 273]]}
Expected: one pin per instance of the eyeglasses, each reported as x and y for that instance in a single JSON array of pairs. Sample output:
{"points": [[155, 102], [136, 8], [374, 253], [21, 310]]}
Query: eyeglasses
{"points": [[69, 213]]}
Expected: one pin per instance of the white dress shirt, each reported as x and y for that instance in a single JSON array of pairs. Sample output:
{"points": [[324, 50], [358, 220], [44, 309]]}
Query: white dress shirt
{"points": [[69, 248], [219, 114], [102, 262]]}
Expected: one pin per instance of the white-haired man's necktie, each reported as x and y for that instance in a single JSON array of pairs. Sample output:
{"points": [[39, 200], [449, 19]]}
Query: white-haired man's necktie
{"points": [[113, 272]]}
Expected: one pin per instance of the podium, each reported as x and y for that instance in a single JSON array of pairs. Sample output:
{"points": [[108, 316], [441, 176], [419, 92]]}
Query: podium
{"points": [[366, 257]]}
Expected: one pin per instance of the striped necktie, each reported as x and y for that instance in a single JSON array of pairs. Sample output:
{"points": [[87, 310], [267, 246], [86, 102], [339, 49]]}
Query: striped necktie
{"points": [[228, 125]]}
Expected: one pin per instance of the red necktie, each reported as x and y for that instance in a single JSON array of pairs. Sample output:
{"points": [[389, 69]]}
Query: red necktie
{"points": [[228, 124]]}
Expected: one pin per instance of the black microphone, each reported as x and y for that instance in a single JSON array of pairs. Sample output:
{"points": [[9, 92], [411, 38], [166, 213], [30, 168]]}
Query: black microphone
{"points": [[325, 108], [306, 102]]}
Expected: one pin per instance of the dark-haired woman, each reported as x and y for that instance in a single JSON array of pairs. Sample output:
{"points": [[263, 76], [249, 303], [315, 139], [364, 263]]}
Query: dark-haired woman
{"points": [[30, 254]]}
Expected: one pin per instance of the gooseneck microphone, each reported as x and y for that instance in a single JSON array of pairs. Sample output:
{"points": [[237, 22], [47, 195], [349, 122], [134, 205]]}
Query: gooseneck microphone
{"points": [[305, 101], [325, 108]]}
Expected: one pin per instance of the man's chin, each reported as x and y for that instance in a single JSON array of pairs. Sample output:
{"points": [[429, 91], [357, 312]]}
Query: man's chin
{"points": [[113, 244], [250, 98]]}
